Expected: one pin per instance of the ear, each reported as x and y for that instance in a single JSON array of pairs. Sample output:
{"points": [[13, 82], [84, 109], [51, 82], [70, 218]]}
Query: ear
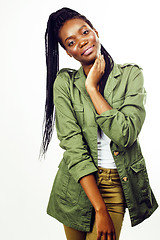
{"points": [[68, 53], [96, 33]]}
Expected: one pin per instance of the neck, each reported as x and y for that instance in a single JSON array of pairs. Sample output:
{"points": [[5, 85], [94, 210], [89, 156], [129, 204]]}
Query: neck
{"points": [[86, 68]]}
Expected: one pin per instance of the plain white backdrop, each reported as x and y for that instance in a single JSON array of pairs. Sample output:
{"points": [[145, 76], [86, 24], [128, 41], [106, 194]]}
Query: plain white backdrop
{"points": [[129, 30]]}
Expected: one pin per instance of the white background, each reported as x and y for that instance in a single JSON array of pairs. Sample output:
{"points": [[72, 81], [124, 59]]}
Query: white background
{"points": [[129, 30]]}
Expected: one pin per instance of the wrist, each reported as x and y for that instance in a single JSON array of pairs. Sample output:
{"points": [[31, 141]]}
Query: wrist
{"points": [[100, 208], [91, 87], [102, 212]]}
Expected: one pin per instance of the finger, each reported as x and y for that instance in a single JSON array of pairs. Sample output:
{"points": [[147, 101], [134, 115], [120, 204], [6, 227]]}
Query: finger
{"points": [[102, 64], [99, 236], [109, 236], [98, 63], [98, 58], [101, 61], [114, 236], [104, 237], [95, 65]]}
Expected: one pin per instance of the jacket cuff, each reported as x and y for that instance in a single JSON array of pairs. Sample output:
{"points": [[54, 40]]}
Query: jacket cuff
{"points": [[81, 170], [101, 118]]}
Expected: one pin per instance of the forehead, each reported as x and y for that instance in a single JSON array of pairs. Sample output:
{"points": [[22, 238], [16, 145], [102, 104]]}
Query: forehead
{"points": [[71, 27]]}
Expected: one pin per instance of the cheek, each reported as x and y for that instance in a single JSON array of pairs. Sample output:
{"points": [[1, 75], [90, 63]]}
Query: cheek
{"points": [[73, 51], [93, 37]]}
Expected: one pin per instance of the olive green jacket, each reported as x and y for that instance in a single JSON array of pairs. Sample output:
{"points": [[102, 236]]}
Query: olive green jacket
{"points": [[77, 124]]}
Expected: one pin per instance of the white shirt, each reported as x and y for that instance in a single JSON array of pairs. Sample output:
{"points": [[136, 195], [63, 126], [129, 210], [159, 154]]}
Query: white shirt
{"points": [[105, 158]]}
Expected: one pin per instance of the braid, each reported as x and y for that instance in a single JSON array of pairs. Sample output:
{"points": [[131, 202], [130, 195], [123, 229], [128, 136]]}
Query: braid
{"points": [[108, 69], [55, 22]]}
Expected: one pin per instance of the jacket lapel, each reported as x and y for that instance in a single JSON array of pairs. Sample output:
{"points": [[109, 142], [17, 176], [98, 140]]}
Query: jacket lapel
{"points": [[79, 81], [112, 81]]}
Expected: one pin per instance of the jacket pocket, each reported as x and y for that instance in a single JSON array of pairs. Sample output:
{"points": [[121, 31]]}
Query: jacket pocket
{"points": [[61, 181], [79, 111], [65, 186], [140, 182]]}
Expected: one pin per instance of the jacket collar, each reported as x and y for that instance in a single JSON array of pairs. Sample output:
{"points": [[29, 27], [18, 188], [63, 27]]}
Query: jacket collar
{"points": [[79, 81]]}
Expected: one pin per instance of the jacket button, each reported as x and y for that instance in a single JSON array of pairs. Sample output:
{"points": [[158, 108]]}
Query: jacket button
{"points": [[116, 153], [125, 179]]}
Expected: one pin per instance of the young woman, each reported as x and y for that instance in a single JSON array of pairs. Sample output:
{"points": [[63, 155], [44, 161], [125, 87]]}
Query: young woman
{"points": [[99, 113]]}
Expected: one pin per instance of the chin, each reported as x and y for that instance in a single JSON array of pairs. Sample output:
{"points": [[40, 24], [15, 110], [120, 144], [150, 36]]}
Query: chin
{"points": [[91, 58]]}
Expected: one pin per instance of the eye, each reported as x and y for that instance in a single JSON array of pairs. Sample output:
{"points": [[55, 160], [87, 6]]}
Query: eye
{"points": [[85, 32], [71, 43]]}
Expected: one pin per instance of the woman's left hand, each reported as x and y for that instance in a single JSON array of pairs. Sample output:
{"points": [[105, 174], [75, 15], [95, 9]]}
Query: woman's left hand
{"points": [[96, 72]]}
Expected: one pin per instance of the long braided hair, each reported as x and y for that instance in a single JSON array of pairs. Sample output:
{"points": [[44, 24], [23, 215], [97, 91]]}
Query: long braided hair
{"points": [[52, 41]]}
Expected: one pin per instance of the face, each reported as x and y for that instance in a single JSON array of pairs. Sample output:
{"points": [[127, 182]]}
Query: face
{"points": [[80, 41]]}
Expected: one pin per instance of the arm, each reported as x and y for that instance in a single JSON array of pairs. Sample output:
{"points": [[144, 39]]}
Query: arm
{"points": [[100, 104], [105, 227], [91, 84], [121, 125]]}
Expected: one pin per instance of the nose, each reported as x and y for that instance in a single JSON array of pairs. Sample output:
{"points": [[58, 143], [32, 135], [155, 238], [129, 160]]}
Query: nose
{"points": [[83, 43]]}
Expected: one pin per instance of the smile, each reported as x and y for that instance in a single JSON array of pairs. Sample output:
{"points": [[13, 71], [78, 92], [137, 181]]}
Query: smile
{"points": [[87, 51]]}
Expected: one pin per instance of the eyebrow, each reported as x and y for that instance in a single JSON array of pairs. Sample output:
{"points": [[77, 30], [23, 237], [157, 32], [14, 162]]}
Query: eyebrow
{"points": [[78, 31]]}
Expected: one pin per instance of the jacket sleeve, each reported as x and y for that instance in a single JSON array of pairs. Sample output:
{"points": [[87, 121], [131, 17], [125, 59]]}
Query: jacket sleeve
{"points": [[123, 125], [76, 155]]}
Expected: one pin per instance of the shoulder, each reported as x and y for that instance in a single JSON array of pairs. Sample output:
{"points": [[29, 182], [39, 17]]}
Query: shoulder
{"points": [[65, 74], [129, 65], [129, 72], [132, 69], [64, 77], [132, 75]]}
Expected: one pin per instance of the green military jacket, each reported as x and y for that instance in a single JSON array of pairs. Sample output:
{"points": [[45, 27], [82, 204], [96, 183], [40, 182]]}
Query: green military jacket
{"points": [[77, 125]]}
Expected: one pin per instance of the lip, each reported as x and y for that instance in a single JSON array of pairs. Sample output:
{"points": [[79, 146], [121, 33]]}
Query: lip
{"points": [[87, 50]]}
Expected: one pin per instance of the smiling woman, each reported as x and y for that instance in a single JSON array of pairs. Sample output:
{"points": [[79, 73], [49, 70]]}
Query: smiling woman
{"points": [[80, 41], [99, 113]]}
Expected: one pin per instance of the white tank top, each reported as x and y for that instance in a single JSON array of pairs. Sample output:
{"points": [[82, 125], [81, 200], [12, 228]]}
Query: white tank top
{"points": [[105, 158]]}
